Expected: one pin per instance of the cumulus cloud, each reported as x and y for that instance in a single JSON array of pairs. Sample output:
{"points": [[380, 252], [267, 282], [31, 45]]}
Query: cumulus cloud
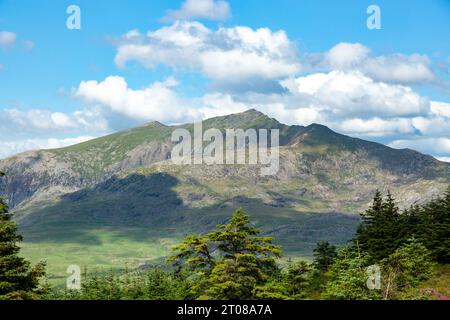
{"points": [[241, 55], [226, 55], [7, 39], [39, 119], [349, 94], [435, 146], [440, 108], [44, 129], [157, 101], [42, 120], [396, 68], [377, 127], [219, 104], [217, 10], [346, 55]]}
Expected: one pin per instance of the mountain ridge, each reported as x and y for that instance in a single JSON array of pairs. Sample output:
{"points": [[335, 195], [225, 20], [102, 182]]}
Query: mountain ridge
{"points": [[150, 143], [105, 194]]}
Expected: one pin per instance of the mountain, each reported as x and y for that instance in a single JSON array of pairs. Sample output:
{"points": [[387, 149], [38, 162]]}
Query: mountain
{"points": [[119, 199]]}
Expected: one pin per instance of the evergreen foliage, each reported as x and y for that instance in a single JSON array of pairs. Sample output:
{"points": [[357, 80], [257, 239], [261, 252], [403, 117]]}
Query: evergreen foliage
{"points": [[380, 232], [406, 268], [433, 229], [18, 279], [232, 261], [324, 255], [348, 277], [235, 262]]}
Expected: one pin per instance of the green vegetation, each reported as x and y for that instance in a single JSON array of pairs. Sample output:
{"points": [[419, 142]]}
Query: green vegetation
{"points": [[384, 229], [324, 255], [91, 159], [234, 262], [230, 263], [394, 255], [117, 201], [18, 279]]}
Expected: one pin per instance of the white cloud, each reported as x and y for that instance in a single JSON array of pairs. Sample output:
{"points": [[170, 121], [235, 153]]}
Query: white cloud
{"points": [[227, 55], [346, 55], [395, 68], [218, 104], [377, 127], [241, 55], [354, 94], [400, 68], [440, 108], [444, 159], [43, 129], [200, 9], [41, 120], [10, 148], [38, 119], [155, 102], [7, 39], [437, 146]]}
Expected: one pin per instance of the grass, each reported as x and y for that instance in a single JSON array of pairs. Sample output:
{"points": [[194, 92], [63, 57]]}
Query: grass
{"points": [[109, 245], [92, 157], [112, 251], [440, 281]]}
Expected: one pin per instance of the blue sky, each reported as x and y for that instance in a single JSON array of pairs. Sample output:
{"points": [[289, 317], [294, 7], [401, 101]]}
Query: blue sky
{"points": [[177, 61]]}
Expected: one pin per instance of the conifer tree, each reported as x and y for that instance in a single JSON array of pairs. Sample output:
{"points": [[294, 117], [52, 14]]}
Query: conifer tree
{"points": [[234, 260], [246, 259], [434, 229], [380, 232], [405, 268], [348, 277], [18, 279], [297, 280], [324, 254]]}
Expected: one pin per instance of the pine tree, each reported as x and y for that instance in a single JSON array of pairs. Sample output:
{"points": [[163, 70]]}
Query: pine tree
{"points": [[195, 252], [348, 277], [411, 220], [434, 228], [324, 254], [298, 279], [381, 231], [246, 259], [159, 285], [18, 279], [232, 261], [405, 268]]}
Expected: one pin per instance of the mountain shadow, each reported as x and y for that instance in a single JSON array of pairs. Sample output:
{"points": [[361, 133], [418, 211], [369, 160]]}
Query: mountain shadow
{"points": [[147, 208]]}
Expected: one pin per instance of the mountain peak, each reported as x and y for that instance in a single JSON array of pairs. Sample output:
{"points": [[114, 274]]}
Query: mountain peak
{"points": [[248, 119], [320, 128], [156, 124], [254, 112]]}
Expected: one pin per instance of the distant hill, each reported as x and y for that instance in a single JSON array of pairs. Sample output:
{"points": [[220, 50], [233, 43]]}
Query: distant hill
{"points": [[123, 188]]}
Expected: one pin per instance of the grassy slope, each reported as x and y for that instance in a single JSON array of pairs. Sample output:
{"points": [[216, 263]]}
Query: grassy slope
{"points": [[92, 157], [440, 281]]}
